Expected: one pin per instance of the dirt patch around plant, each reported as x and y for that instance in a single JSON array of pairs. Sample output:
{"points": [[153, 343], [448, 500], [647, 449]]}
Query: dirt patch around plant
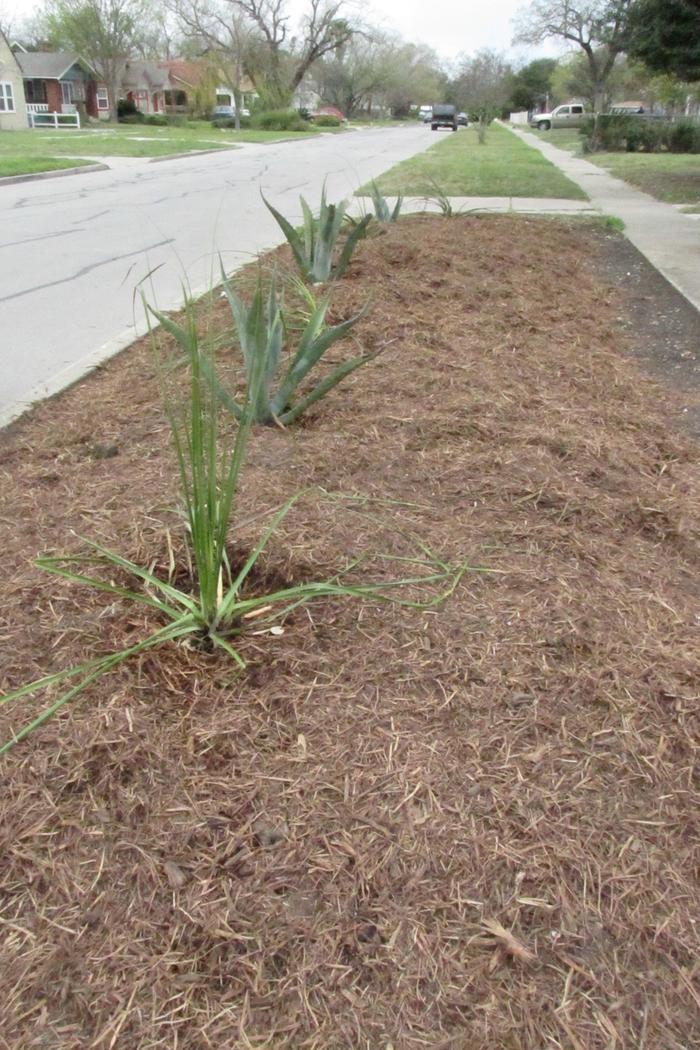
{"points": [[469, 827]]}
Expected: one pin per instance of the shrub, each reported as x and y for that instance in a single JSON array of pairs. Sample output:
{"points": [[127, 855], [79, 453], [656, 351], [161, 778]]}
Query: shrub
{"points": [[314, 251], [261, 330], [126, 107], [619, 131], [325, 120], [279, 120], [156, 120], [684, 137], [230, 122], [645, 135]]}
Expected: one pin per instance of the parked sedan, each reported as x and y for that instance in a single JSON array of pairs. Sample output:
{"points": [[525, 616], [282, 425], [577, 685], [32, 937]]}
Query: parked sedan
{"points": [[462, 120], [227, 113]]}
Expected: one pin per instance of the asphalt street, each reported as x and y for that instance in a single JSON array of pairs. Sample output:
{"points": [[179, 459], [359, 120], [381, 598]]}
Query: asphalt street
{"points": [[75, 251]]}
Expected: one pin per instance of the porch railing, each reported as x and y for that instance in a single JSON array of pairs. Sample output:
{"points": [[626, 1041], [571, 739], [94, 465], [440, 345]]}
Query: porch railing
{"points": [[43, 119], [37, 107]]}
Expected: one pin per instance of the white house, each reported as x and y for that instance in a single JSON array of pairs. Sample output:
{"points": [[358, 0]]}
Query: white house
{"points": [[13, 107]]}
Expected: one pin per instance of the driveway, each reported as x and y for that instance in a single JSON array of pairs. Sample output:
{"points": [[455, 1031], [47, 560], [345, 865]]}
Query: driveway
{"points": [[73, 251]]}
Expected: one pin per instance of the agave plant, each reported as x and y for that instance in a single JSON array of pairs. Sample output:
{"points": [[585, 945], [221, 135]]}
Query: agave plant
{"points": [[261, 335], [218, 607], [382, 211], [315, 249]]}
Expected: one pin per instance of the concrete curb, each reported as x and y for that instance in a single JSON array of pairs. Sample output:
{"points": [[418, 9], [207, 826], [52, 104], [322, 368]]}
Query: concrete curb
{"points": [[81, 369], [84, 169]]}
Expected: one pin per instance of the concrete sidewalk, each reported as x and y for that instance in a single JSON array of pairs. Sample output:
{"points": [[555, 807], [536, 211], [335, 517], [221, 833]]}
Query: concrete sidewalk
{"points": [[669, 239]]}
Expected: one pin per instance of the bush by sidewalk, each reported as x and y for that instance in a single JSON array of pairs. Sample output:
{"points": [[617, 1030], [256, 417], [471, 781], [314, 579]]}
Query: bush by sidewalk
{"points": [[625, 133]]}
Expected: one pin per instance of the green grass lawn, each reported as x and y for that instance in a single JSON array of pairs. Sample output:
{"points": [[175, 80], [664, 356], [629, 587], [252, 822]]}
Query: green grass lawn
{"points": [[670, 177], [31, 165], [503, 167], [24, 152], [563, 138]]}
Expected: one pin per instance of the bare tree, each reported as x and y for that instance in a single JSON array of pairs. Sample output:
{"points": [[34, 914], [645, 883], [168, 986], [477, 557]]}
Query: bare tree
{"points": [[257, 33], [482, 86], [324, 28], [597, 27], [225, 35], [6, 23]]}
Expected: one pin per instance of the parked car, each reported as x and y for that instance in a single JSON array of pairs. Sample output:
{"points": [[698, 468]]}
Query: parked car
{"points": [[444, 116], [227, 113], [329, 111], [571, 115], [462, 120]]}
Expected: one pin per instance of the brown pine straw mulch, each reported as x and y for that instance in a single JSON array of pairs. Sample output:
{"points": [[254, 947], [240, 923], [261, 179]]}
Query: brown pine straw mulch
{"points": [[464, 828]]}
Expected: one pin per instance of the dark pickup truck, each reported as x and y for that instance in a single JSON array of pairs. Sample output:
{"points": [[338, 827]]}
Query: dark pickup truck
{"points": [[444, 116]]}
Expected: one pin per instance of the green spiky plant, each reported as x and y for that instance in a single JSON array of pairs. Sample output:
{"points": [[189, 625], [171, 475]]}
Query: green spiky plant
{"points": [[315, 249], [261, 333], [437, 195], [217, 608], [382, 211]]}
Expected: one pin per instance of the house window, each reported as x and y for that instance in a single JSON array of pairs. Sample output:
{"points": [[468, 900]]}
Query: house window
{"points": [[102, 98], [35, 90], [66, 92], [7, 98]]}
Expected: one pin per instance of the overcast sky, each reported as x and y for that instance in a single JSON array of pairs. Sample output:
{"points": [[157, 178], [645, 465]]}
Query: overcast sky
{"points": [[449, 26]]}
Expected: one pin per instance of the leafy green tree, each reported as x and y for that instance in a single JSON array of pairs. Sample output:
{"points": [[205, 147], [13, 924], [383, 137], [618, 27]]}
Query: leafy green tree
{"points": [[598, 28], [103, 32], [665, 35], [531, 85]]}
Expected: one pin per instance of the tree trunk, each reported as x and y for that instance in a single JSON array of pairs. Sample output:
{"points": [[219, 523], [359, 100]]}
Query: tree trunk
{"points": [[113, 90], [237, 94]]}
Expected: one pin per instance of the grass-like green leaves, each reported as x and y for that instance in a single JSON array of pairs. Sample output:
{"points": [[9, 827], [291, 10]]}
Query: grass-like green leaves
{"points": [[317, 248], [210, 451], [261, 331]]}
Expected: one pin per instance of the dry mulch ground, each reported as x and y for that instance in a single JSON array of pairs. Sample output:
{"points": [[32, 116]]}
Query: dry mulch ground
{"points": [[469, 827]]}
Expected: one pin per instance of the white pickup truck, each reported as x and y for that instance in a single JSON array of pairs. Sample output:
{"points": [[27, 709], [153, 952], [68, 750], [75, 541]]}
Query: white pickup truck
{"points": [[571, 115]]}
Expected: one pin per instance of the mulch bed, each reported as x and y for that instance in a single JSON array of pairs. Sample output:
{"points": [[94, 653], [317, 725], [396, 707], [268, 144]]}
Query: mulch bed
{"points": [[469, 827]]}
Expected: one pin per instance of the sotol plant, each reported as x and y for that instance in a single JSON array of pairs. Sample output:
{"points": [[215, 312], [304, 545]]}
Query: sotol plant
{"points": [[261, 333], [316, 249], [217, 608]]}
